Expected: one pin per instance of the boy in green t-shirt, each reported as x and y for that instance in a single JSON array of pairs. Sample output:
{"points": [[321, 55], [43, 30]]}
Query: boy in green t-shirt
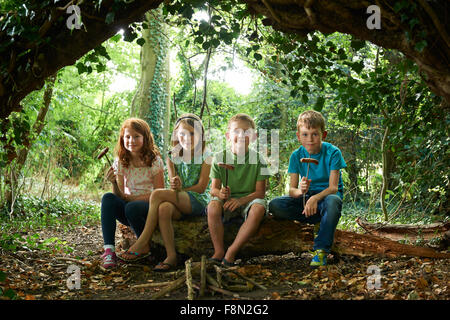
{"points": [[244, 194]]}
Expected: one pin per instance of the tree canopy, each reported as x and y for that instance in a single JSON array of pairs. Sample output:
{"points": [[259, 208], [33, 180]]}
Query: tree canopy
{"points": [[36, 42]]}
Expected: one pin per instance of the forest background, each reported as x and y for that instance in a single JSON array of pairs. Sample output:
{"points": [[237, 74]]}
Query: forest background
{"points": [[216, 61]]}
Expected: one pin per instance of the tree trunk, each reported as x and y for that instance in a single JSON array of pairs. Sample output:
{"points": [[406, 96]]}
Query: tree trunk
{"points": [[281, 237], [405, 231], [151, 101], [15, 167]]}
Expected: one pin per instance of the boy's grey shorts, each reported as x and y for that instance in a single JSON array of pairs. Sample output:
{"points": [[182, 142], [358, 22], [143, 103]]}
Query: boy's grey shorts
{"points": [[242, 211]]}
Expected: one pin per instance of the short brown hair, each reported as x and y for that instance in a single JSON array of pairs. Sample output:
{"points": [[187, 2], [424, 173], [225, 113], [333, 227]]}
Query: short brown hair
{"points": [[311, 119], [242, 117]]}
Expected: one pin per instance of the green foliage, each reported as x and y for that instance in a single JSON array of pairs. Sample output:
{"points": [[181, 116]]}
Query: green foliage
{"points": [[33, 213], [360, 88], [157, 91]]}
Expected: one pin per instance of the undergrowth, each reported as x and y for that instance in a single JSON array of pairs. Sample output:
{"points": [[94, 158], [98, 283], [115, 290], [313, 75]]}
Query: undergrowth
{"points": [[32, 214]]}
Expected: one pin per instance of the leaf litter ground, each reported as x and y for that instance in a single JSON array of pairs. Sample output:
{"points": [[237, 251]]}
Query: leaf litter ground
{"points": [[43, 275]]}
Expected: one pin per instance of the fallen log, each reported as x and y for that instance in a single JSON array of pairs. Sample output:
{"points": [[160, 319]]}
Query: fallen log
{"points": [[280, 237], [405, 231]]}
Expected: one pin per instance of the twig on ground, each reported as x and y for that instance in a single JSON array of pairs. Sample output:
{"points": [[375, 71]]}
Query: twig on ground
{"points": [[249, 280], [202, 276], [151, 285], [190, 293]]}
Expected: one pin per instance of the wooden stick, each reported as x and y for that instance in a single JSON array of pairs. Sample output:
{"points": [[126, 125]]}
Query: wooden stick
{"points": [[151, 285], [173, 286], [73, 260], [211, 280], [190, 293], [249, 280], [218, 275], [176, 283], [202, 276]]}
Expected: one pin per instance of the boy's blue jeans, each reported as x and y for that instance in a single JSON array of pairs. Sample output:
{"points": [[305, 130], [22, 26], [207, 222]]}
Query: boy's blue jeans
{"points": [[133, 214], [328, 214]]}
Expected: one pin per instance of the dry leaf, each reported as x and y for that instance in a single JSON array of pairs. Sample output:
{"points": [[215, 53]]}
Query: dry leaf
{"points": [[275, 296]]}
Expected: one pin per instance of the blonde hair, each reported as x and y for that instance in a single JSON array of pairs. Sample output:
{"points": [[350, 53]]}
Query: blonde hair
{"points": [[149, 149], [242, 117], [311, 119], [188, 119]]}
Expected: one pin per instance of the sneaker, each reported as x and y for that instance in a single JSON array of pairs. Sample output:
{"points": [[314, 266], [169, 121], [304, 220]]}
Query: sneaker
{"points": [[109, 259], [319, 259]]}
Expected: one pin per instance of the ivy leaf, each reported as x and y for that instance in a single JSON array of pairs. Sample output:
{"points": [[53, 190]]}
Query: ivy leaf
{"points": [[319, 104], [358, 44], [80, 67], [358, 66], [187, 12], [140, 41], [257, 56], [199, 40], [206, 45], [305, 98]]}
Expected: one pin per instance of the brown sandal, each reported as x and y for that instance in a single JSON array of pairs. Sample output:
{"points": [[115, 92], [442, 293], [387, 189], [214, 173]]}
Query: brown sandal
{"points": [[164, 267]]}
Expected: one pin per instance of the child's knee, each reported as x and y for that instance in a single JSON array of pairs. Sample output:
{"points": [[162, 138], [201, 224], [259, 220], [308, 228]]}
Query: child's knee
{"points": [[277, 204], [109, 197], [273, 205], [334, 200], [157, 194], [257, 211], [214, 209], [334, 205], [165, 210]]}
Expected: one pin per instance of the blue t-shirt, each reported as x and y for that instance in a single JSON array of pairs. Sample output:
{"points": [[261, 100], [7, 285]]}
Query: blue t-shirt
{"points": [[329, 157]]}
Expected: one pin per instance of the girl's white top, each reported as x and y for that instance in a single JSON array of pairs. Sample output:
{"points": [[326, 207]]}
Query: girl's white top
{"points": [[138, 181]]}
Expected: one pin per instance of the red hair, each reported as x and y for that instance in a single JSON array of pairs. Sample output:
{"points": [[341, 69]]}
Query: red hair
{"points": [[149, 149]]}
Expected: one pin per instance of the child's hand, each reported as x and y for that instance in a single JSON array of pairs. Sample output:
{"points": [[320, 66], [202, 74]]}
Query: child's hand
{"points": [[304, 185], [175, 183], [110, 175], [224, 193], [310, 207], [232, 204]]}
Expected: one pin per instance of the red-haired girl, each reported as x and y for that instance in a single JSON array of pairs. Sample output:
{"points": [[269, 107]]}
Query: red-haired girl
{"points": [[137, 170]]}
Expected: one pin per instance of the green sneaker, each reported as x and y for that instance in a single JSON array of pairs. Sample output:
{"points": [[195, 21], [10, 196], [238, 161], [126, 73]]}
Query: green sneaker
{"points": [[319, 259]]}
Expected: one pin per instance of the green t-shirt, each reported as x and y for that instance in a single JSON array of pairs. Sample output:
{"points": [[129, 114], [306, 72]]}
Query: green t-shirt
{"points": [[247, 171], [189, 174]]}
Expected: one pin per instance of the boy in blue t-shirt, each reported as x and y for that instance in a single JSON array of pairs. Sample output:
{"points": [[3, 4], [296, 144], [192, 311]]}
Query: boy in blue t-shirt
{"points": [[322, 192]]}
